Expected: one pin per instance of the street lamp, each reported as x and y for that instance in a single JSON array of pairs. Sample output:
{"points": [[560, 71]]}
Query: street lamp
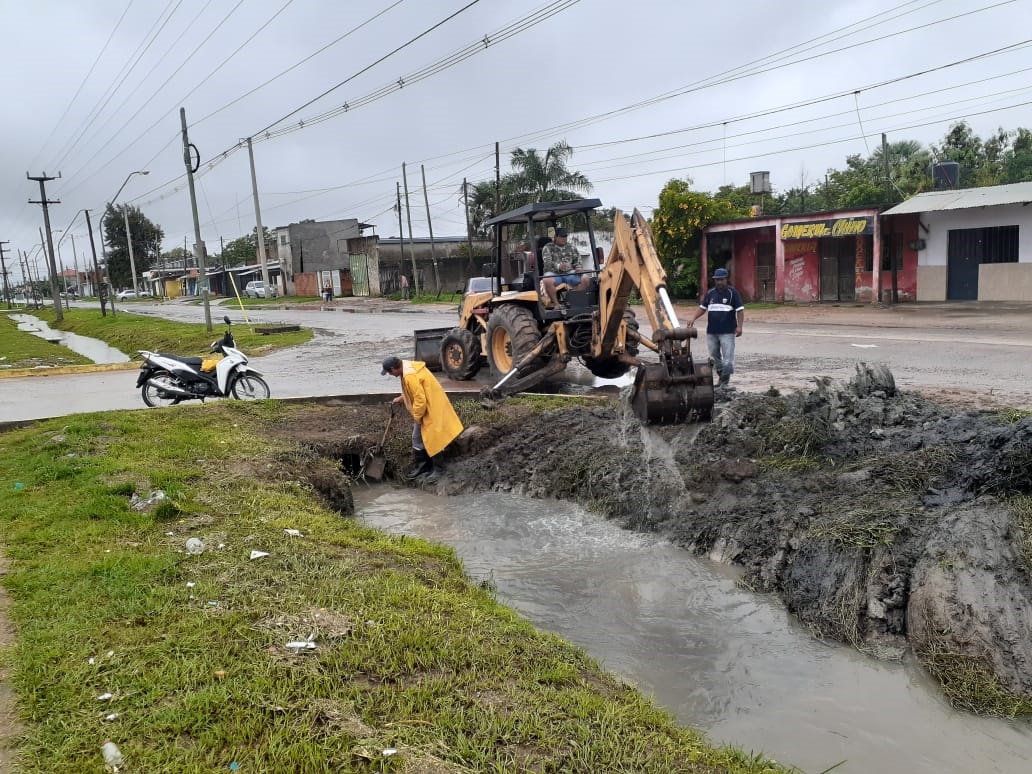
{"points": [[128, 236]]}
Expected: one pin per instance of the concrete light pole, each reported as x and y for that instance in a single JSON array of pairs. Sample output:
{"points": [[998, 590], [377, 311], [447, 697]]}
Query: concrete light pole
{"points": [[128, 235]]}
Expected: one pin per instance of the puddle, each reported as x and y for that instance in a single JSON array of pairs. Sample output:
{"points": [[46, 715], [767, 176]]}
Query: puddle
{"points": [[723, 659], [96, 350]]}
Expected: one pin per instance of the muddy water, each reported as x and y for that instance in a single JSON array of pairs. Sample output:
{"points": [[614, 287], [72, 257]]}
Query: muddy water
{"points": [[721, 658], [96, 350]]}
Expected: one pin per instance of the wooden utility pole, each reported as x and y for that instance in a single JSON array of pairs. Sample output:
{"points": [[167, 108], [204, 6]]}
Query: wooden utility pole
{"points": [[469, 231], [42, 180], [401, 237], [892, 237], [430, 225], [99, 283], [408, 217], [3, 270], [498, 179], [199, 251], [258, 220]]}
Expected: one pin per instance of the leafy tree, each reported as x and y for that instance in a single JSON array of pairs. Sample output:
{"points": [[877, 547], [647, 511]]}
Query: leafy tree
{"points": [[244, 251], [677, 225], [175, 258], [1017, 160], [146, 236]]}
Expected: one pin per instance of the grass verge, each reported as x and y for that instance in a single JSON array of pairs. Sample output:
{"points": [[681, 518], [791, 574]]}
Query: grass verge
{"points": [[411, 655], [132, 332], [23, 350], [276, 301]]}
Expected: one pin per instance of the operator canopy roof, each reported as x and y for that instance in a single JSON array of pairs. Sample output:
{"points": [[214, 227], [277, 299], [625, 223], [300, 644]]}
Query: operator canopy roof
{"points": [[542, 211]]}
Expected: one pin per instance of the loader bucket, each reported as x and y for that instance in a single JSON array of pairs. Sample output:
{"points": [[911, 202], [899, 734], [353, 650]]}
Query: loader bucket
{"points": [[428, 346], [681, 393]]}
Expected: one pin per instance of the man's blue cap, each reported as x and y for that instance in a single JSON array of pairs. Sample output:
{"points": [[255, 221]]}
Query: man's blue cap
{"points": [[720, 274], [560, 231]]}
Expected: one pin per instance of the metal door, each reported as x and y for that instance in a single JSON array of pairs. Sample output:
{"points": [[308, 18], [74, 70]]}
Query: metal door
{"points": [[765, 271], [964, 255], [847, 269], [829, 265], [838, 269], [359, 274]]}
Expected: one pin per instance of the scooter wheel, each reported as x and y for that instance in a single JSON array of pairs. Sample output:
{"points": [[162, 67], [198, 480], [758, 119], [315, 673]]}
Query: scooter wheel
{"points": [[152, 393], [250, 387]]}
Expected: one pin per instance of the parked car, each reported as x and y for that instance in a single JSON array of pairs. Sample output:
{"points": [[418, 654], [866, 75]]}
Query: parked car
{"points": [[256, 289], [131, 294]]}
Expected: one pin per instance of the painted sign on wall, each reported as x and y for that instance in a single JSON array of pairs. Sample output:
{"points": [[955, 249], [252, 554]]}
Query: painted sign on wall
{"points": [[833, 227]]}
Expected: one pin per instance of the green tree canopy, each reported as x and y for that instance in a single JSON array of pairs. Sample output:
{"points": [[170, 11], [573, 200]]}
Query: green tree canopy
{"points": [[146, 236], [677, 225], [244, 250]]}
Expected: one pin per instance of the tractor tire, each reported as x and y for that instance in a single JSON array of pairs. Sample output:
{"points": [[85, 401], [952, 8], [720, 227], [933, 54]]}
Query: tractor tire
{"points": [[610, 367], [460, 354], [512, 332]]}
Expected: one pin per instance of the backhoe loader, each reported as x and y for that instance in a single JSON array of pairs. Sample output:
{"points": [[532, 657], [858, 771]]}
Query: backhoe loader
{"points": [[525, 338]]}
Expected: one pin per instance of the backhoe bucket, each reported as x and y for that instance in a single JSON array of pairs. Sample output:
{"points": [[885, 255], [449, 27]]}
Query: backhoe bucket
{"points": [[428, 346], [669, 395]]}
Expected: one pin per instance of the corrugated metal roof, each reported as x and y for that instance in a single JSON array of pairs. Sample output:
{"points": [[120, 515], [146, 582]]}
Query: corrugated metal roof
{"points": [[965, 198]]}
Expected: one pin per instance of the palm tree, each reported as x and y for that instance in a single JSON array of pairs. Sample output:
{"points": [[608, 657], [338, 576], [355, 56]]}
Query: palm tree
{"points": [[535, 178]]}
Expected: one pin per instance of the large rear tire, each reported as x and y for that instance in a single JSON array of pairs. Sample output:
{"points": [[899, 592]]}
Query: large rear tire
{"points": [[460, 354], [153, 395], [610, 367], [250, 387], [512, 332]]}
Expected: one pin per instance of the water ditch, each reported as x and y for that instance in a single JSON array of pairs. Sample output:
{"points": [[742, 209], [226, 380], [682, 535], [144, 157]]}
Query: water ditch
{"points": [[720, 658], [96, 350]]}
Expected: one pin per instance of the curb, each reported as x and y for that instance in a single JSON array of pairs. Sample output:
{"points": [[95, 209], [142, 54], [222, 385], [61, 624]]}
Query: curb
{"points": [[64, 370]]}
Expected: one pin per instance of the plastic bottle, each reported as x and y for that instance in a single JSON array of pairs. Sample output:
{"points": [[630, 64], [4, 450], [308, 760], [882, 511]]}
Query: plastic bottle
{"points": [[112, 755], [195, 546]]}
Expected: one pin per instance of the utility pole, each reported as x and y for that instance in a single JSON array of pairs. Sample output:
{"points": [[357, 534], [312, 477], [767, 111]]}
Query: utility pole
{"points": [[75, 263], [107, 268], [202, 263], [892, 237], [258, 219], [100, 285], [42, 180], [401, 236], [3, 270], [498, 179], [430, 225], [469, 230], [408, 216], [129, 241]]}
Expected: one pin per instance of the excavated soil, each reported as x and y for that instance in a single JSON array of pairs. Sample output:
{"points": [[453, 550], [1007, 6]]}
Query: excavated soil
{"points": [[882, 519]]}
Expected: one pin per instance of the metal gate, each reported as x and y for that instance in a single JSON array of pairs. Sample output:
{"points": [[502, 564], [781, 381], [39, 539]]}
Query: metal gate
{"points": [[838, 269], [963, 255], [765, 271], [359, 274]]}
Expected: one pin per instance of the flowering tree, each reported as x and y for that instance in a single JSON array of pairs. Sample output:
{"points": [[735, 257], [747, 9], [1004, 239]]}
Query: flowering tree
{"points": [[677, 225]]}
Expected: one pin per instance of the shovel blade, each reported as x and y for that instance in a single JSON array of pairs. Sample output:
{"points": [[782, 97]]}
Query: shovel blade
{"points": [[375, 467]]}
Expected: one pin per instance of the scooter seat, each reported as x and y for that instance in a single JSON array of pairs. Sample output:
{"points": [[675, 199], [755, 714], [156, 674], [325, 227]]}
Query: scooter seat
{"points": [[193, 362]]}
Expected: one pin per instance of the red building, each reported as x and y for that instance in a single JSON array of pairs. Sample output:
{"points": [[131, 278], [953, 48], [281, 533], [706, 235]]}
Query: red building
{"points": [[820, 256]]}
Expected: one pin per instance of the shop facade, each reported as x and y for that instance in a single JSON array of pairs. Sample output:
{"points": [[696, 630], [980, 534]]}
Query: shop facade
{"points": [[838, 256]]}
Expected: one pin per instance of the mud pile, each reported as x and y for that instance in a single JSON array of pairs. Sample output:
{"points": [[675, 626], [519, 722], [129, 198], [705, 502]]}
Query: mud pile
{"points": [[878, 516]]}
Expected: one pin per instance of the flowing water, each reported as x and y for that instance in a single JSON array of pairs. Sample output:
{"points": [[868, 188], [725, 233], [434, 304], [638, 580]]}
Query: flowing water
{"points": [[96, 350], [723, 659]]}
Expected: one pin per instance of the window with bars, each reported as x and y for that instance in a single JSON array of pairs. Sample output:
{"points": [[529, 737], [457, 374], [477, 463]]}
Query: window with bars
{"points": [[1000, 244], [892, 252]]}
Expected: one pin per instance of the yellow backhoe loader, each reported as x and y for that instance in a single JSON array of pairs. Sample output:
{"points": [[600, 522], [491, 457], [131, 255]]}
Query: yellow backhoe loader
{"points": [[525, 337]]}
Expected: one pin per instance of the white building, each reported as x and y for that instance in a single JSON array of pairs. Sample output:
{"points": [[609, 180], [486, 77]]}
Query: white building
{"points": [[977, 243]]}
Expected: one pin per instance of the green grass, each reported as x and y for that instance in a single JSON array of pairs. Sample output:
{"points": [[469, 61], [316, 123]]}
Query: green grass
{"points": [[23, 350], [278, 300], [411, 654], [132, 332]]}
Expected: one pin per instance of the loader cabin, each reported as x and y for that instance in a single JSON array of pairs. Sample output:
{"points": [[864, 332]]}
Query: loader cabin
{"points": [[520, 237]]}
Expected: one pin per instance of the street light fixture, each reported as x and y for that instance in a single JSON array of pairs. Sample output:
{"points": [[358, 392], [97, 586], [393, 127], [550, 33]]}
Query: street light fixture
{"points": [[128, 235]]}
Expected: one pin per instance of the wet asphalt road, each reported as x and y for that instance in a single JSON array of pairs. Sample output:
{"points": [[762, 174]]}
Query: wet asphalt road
{"points": [[343, 358]]}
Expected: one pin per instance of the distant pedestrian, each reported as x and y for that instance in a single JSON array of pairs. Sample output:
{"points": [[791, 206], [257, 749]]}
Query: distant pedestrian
{"points": [[436, 423], [725, 314], [404, 286], [327, 292]]}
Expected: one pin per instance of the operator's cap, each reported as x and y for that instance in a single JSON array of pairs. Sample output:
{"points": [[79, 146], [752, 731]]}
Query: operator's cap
{"points": [[390, 363], [720, 274], [560, 232]]}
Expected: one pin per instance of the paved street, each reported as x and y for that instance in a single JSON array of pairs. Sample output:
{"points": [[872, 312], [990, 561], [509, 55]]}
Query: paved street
{"points": [[959, 353]]}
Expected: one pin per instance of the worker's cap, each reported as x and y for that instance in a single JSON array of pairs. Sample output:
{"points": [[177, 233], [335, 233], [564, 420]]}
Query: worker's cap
{"points": [[560, 231], [720, 274], [390, 363]]}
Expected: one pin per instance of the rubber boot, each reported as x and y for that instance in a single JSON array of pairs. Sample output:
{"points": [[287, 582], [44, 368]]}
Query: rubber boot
{"points": [[724, 379], [420, 462], [430, 473]]}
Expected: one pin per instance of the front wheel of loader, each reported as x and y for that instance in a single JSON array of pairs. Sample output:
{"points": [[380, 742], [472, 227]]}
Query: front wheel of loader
{"points": [[512, 332], [611, 367], [460, 354]]}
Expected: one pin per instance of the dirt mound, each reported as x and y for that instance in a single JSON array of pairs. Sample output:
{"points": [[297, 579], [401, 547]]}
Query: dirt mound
{"points": [[876, 515]]}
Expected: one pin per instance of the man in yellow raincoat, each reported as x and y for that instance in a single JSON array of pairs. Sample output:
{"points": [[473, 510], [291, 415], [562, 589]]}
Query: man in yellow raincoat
{"points": [[436, 423]]}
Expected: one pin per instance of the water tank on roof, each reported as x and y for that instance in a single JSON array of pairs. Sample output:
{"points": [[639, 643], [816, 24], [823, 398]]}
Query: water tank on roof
{"points": [[946, 174]]}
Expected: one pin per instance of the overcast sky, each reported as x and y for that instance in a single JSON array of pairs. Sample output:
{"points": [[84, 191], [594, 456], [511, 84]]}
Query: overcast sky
{"points": [[93, 89]]}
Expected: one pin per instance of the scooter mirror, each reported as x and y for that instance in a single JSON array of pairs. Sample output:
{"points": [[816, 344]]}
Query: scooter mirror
{"points": [[226, 318]]}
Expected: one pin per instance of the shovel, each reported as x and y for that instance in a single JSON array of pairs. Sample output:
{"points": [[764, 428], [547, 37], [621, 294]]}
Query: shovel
{"points": [[375, 461]]}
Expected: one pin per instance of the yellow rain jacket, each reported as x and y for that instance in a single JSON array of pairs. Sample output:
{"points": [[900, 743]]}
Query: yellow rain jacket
{"points": [[429, 406]]}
